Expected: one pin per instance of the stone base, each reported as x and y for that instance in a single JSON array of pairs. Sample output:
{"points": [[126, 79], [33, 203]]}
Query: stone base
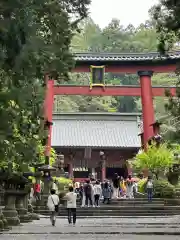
{"points": [[1, 225], [5, 223], [11, 217], [42, 210], [24, 216], [34, 216]]}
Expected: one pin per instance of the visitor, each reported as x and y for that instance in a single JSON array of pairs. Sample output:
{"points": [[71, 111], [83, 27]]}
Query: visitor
{"points": [[129, 187], [37, 191], [116, 181], [122, 188], [97, 193], [149, 187], [81, 195], [107, 193], [71, 198], [53, 205], [88, 191], [135, 187], [55, 186], [77, 186]]}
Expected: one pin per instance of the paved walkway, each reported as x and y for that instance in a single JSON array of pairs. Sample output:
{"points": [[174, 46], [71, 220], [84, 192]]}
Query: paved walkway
{"points": [[91, 229]]}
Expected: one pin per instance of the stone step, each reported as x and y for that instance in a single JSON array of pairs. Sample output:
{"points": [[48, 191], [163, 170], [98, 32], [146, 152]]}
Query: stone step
{"points": [[118, 212], [123, 210], [122, 207], [105, 213]]}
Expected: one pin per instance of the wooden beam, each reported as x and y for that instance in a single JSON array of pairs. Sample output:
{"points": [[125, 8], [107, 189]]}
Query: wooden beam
{"points": [[129, 68], [110, 90]]}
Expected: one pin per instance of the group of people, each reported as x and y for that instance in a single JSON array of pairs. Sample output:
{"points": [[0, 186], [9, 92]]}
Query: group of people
{"points": [[92, 191]]}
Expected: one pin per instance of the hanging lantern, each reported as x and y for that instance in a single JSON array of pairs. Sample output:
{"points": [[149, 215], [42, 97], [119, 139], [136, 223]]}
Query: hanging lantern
{"points": [[97, 76]]}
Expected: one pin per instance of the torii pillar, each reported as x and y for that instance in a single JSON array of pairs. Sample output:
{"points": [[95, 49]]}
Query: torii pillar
{"points": [[147, 105]]}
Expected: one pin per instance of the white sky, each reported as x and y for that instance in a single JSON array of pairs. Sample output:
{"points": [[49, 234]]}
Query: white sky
{"points": [[127, 11]]}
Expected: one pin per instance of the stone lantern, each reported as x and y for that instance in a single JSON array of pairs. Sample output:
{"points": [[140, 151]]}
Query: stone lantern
{"points": [[60, 165], [47, 185]]}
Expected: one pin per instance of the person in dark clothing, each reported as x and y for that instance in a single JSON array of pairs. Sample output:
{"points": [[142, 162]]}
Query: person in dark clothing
{"points": [[81, 193], [116, 184], [88, 193], [107, 191]]}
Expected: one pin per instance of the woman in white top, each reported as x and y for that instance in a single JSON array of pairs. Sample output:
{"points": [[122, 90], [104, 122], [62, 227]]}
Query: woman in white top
{"points": [[71, 198], [53, 204], [97, 193]]}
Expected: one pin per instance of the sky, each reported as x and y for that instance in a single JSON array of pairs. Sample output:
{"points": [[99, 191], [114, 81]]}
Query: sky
{"points": [[127, 11]]}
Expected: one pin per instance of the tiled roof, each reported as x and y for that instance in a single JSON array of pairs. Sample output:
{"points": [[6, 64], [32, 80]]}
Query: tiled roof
{"points": [[84, 57], [95, 133]]}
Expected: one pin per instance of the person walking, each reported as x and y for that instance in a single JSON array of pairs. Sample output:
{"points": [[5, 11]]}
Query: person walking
{"points": [[97, 193], [53, 205], [149, 187], [88, 191], [71, 198]]}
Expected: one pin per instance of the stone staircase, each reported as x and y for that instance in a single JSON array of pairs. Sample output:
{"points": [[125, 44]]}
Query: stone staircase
{"points": [[124, 208], [127, 207]]}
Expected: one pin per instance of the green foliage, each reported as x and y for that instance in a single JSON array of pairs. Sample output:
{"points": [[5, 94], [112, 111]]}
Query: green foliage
{"points": [[166, 18], [62, 184], [142, 185], [156, 160], [163, 189], [34, 39], [41, 157]]}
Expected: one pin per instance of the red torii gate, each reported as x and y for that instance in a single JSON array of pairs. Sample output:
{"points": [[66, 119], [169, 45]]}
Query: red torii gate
{"points": [[142, 64]]}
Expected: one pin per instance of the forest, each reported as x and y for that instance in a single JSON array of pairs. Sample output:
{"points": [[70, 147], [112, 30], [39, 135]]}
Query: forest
{"points": [[118, 39]]}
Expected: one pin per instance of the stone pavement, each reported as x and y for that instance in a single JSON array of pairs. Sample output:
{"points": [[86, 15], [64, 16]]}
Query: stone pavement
{"points": [[99, 229]]}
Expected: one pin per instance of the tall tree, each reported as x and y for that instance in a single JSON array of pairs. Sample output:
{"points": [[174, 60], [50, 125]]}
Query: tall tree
{"points": [[167, 18], [34, 39]]}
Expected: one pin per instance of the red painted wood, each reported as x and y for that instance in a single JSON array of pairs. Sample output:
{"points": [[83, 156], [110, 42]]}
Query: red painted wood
{"points": [[131, 69], [147, 107], [109, 90], [49, 101]]}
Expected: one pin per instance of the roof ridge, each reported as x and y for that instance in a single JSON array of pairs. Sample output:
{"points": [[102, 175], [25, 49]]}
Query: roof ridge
{"points": [[110, 57], [127, 53]]}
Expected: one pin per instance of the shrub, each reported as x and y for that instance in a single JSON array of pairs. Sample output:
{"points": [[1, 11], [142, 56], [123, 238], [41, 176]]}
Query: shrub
{"points": [[63, 183], [156, 159], [163, 189], [142, 185]]}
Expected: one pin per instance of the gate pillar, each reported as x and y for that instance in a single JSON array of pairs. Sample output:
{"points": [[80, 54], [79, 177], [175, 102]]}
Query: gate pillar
{"points": [[147, 104]]}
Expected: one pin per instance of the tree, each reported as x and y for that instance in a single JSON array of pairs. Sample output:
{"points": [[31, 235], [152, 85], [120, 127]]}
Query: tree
{"points": [[156, 159], [34, 39], [166, 16]]}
